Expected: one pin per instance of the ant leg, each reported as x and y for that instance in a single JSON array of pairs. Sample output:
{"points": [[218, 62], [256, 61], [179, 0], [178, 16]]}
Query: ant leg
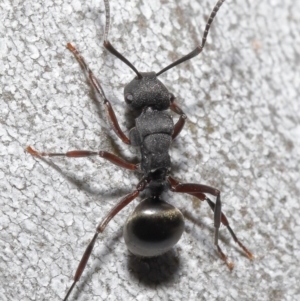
{"points": [[99, 93], [225, 222], [199, 190], [180, 123], [100, 228], [83, 153]]}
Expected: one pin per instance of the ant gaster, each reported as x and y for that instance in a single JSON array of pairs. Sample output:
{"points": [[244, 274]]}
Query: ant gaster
{"points": [[155, 226]]}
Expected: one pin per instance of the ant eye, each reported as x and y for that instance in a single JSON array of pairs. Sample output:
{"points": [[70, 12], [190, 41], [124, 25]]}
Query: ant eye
{"points": [[128, 98]]}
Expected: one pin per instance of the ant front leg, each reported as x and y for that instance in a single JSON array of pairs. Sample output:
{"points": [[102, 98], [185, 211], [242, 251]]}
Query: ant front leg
{"points": [[199, 191], [99, 93], [180, 123], [83, 153], [100, 228]]}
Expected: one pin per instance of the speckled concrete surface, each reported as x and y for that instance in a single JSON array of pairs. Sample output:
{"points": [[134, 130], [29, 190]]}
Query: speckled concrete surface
{"points": [[241, 96]]}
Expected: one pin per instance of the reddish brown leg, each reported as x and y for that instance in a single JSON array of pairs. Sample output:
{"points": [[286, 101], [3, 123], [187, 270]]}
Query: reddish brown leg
{"points": [[180, 123], [83, 153], [116, 209], [99, 94], [192, 190], [225, 222], [199, 190]]}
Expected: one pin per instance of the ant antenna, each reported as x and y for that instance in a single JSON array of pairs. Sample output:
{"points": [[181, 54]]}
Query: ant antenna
{"points": [[198, 48], [107, 44]]}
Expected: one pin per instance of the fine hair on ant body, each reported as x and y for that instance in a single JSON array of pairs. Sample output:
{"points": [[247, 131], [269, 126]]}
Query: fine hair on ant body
{"points": [[155, 226]]}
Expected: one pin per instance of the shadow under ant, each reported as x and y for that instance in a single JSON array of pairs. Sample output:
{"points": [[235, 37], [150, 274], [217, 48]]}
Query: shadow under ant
{"points": [[154, 271]]}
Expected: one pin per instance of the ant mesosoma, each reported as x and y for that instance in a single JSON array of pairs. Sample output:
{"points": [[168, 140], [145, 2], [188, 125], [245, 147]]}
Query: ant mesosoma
{"points": [[155, 226]]}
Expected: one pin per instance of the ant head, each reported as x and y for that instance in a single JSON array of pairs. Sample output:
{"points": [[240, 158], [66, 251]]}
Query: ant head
{"points": [[147, 91]]}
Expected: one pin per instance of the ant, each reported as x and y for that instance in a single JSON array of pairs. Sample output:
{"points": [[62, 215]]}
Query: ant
{"points": [[155, 226]]}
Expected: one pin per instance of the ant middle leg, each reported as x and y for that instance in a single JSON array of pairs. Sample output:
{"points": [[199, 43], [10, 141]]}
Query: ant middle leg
{"points": [[84, 153], [99, 93]]}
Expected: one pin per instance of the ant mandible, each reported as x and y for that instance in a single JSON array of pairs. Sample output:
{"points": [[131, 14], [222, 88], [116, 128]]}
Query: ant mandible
{"points": [[155, 226]]}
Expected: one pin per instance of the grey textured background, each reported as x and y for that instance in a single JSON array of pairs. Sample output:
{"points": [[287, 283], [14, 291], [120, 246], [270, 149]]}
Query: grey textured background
{"points": [[241, 96]]}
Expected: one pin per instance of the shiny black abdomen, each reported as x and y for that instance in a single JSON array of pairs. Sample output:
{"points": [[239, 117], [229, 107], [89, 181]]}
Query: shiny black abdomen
{"points": [[153, 228]]}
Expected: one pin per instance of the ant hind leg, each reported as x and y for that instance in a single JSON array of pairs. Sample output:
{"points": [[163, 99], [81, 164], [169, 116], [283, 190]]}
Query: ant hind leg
{"points": [[199, 191], [225, 222]]}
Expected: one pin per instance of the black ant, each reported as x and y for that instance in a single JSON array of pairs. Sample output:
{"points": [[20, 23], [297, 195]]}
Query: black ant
{"points": [[155, 226]]}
